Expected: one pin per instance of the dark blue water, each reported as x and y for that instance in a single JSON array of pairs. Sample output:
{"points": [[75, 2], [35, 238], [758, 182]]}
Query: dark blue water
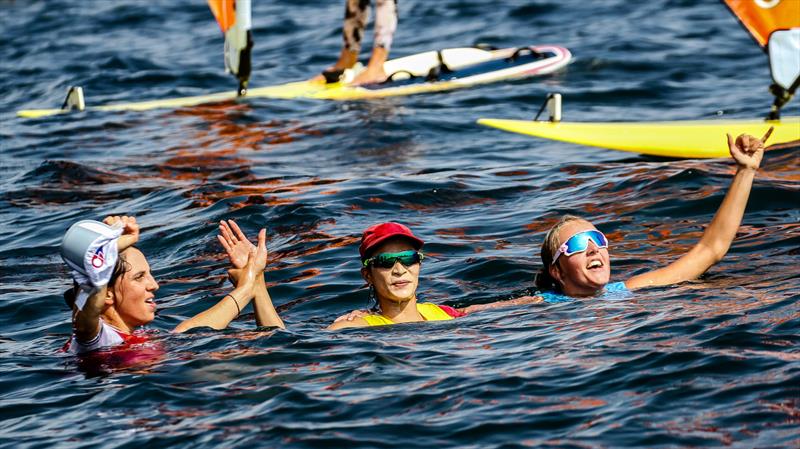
{"points": [[712, 363]]}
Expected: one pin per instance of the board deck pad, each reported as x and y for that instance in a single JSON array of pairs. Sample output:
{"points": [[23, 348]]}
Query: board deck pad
{"points": [[471, 66], [677, 139]]}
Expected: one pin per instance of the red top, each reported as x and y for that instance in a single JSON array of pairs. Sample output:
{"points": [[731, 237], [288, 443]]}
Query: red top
{"points": [[452, 312]]}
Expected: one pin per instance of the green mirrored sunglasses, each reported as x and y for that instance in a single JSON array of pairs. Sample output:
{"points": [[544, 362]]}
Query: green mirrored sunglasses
{"points": [[387, 260]]}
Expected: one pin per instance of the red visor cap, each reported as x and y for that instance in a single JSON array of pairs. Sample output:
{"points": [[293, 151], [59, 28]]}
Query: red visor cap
{"points": [[375, 235]]}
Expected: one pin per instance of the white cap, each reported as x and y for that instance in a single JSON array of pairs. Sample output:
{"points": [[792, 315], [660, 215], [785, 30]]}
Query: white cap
{"points": [[89, 248]]}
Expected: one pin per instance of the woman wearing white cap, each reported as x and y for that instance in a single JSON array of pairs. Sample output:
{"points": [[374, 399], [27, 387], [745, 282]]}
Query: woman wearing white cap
{"points": [[114, 291]]}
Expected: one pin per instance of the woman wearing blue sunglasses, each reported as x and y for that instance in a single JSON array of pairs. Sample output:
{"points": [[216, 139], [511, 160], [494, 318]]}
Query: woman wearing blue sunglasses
{"points": [[575, 255]]}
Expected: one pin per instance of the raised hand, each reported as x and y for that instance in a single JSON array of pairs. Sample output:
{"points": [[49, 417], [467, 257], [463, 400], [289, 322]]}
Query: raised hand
{"points": [[235, 243], [260, 261], [254, 265], [248, 273], [130, 230], [748, 150], [239, 249]]}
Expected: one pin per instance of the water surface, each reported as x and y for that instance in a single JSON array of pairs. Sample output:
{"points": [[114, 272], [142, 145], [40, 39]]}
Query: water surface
{"points": [[707, 364]]}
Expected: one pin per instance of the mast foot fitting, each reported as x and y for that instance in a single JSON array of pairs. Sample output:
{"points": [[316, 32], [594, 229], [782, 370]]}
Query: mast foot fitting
{"points": [[553, 104], [74, 99]]}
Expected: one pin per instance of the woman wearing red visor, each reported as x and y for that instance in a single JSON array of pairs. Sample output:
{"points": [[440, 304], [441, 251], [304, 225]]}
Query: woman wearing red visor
{"points": [[575, 255], [390, 264]]}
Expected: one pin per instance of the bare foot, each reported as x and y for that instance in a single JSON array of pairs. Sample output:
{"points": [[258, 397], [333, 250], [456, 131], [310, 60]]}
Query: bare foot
{"points": [[346, 60], [369, 76], [374, 72]]}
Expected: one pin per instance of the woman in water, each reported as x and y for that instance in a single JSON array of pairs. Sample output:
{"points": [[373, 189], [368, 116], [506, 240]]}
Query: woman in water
{"points": [[391, 259], [113, 311], [390, 264], [575, 256]]}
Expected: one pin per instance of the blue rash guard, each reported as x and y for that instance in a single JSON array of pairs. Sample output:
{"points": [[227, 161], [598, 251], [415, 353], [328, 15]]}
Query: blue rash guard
{"points": [[615, 291]]}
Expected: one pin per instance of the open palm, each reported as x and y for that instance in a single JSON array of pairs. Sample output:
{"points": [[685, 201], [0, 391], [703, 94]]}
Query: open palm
{"points": [[237, 246], [255, 262]]}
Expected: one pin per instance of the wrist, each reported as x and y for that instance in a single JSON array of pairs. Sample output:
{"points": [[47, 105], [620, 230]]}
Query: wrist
{"points": [[125, 242], [746, 169], [245, 279], [244, 290]]}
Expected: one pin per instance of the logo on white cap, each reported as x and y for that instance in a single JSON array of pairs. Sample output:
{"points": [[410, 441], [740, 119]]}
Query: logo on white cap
{"points": [[98, 259]]}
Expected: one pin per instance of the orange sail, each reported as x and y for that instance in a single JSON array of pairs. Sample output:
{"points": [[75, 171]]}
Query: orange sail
{"points": [[234, 19], [775, 25], [762, 17], [224, 11]]}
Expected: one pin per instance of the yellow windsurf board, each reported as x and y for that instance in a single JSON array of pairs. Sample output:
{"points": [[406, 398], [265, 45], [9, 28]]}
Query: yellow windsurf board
{"points": [[463, 67], [678, 139]]}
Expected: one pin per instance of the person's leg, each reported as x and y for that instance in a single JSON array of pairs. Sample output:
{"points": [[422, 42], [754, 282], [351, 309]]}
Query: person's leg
{"points": [[385, 26], [356, 13], [385, 23]]}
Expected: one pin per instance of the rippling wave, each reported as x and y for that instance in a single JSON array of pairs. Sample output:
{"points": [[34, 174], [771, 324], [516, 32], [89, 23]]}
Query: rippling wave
{"points": [[710, 363]]}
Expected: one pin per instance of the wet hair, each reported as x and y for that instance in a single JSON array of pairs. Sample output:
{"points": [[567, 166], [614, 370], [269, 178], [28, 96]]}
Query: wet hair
{"points": [[544, 282], [120, 268], [372, 301]]}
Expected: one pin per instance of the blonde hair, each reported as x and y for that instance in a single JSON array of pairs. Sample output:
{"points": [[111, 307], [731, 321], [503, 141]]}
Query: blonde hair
{"points": [[545, 282]]}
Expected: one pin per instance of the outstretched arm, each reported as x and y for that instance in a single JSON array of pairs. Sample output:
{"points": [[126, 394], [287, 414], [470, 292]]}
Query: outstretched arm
{"points": [[229, 307], [236, 246], [352, 319], [499, 304], [717, 238]]}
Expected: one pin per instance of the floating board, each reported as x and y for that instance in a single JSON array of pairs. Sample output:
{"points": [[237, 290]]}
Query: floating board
{"points": [[679, 139], [456, 67]]}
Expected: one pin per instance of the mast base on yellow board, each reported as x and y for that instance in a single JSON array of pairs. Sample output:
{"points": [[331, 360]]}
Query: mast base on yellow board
{"points": [[74, 99], [553, 104]]}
